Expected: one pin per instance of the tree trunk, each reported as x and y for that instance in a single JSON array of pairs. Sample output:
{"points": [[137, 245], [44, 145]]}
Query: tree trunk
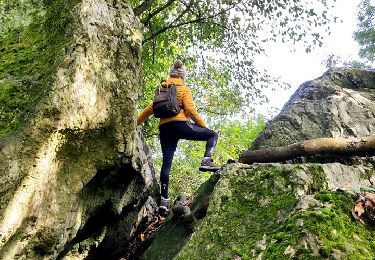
{"points": [[310, 147]]}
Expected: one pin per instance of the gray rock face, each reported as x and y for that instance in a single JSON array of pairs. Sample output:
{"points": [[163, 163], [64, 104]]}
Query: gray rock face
{"points": [[78, 176], [341, 103]]}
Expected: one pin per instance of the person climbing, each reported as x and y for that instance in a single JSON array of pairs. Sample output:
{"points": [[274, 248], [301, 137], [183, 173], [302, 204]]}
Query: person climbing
{"points": [[174, 128]]}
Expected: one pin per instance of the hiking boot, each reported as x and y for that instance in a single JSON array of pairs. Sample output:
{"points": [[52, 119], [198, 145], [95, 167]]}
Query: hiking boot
{"points": [[208, 165], [164, 206]]}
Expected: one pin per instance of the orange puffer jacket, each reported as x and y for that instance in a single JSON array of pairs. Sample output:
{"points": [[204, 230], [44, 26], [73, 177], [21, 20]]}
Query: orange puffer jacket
{"points": [[185, 101]]}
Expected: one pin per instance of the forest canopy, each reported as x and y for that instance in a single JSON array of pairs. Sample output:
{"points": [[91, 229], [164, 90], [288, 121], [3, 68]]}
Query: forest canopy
{"points": [[218, 40], [365, 34]]}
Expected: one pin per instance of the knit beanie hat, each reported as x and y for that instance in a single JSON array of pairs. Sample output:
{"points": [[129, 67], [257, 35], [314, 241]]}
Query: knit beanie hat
{"points": [[177, 69]]}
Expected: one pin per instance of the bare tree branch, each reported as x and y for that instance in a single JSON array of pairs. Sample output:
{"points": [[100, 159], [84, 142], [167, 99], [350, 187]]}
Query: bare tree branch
{"points": [[197, 20], [143, 7], [159, 10]]}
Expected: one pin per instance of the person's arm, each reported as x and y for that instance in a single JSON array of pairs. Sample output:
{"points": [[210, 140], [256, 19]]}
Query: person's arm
{"points": [[191, 110], [146, 113]]}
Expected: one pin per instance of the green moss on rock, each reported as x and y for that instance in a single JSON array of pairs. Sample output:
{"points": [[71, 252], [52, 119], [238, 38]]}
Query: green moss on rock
{"points": [[29, 58], [270, 211], [323, 233], [246, 207], [319, 180]]}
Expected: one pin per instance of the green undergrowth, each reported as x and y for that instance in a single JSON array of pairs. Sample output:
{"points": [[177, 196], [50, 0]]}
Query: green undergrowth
{"points": [[28, 60], [323, 233]]}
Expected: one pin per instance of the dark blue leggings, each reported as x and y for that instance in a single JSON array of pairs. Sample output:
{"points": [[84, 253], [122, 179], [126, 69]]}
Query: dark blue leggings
{"points": [[173, 131]]}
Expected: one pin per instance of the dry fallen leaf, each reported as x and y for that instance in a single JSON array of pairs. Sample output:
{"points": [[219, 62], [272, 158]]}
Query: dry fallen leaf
{"points": [[370, 197], [364, 209], [358, 210], [369, 204]]}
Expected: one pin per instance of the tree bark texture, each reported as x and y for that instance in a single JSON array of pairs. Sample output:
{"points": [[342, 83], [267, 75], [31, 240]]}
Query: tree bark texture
{"points": [[311, 147]]}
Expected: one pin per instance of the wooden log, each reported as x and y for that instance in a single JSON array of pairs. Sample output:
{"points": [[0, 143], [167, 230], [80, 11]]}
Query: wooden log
{"points": [[336, 146]]}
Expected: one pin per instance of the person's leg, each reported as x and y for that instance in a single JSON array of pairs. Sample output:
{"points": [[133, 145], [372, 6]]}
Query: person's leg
{"points": [[168, 146], [191, 131], [211, 143]]}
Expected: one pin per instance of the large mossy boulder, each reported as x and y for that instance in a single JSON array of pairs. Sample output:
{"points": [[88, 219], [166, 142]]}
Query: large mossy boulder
{"points": [[280, 211], [75, 175], [273, 211], [288, 210]]}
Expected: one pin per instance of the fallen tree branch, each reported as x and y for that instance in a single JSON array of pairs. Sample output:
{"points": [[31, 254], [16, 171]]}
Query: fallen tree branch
{"points": [[311, 147]]}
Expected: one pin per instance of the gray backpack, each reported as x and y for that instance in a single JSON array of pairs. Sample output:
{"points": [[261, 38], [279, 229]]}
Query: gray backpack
{"points": [[165, 103]]}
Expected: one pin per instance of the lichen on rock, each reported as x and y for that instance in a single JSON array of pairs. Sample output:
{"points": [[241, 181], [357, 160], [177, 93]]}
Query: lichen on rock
{"points": [[71, 160], [32, 47]]}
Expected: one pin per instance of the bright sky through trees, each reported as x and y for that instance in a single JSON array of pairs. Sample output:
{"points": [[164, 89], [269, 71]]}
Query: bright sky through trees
{"points": [[298, 67]]}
